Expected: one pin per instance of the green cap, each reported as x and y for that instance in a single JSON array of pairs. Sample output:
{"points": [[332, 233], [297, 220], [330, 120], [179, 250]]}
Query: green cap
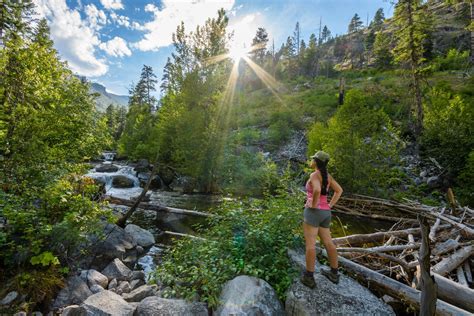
{"points": [[321, 155]]}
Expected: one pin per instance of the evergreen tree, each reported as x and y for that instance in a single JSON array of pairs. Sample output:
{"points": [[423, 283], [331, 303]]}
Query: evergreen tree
{"points": [[296, 38], [382, 52], [326, 34], [355, 25], [378, 20], [259, 45], [15, 16], [412, 27]]}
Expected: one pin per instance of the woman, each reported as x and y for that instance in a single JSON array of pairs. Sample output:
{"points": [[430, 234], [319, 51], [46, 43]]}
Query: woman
{"points": [[317, 217]]}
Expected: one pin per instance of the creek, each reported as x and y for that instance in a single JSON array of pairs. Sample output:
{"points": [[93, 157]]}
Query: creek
{"points": [[158, 222]]}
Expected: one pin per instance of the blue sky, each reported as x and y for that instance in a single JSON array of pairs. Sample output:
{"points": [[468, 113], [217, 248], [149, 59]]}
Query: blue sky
{"points": [[108, 41]]}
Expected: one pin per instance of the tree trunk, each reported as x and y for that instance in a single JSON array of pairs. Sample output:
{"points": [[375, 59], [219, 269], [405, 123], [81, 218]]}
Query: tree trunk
{"points": [[472, 32], [428, 285]]}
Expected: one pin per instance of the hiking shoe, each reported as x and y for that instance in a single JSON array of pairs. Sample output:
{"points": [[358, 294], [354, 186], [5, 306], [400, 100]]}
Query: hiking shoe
{"points": [[333, 277], [308, 281]]}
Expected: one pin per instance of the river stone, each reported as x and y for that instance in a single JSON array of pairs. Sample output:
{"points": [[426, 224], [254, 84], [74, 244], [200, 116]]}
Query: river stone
{"points": [[154, 305], [346, 298], [96, 288], [155, 183], [139, 294], [9, 298], [107, 303], [136, 283], [72, 310], [117, 244], [116, 270], [75, 292], [142, 236], [142, 166], [433, 182], [121, 181], [113, 284], [123, 287], [107, 168], [137, 275], [93, 277], [245, 295]]}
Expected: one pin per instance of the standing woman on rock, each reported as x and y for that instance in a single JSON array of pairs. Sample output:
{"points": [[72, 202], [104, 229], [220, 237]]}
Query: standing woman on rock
{"points": [[317, 218]]}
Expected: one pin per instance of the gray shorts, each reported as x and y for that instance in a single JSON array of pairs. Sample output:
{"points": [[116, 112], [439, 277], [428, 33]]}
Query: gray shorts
{"points": [[316, 217]]}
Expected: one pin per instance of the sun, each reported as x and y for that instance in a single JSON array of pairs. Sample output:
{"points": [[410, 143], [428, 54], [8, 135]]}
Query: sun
{"points": [[237, 52]]}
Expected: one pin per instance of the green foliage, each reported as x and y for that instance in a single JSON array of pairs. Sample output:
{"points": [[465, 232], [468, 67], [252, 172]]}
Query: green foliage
{"points": [[465, 181], [248, 238], [45, 258], [448, 131], [454, 60], [383, 55], [362, 143]]}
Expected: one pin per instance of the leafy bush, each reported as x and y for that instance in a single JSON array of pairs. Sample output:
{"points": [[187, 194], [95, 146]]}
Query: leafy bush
{"points": [[454, 60], [362, 143], [248, 238], [465, 182]]}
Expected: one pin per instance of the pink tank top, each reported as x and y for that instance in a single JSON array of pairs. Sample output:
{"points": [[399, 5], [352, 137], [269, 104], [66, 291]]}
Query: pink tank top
{"points": [[323, 199]]}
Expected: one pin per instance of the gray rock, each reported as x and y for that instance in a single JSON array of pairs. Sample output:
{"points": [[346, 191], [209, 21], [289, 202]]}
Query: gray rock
{"points": [[93, 277], [418, 181], [423, 174], [113, 284], [140, 250], [123, 287], [20, 314], [121, 181], [72, 310], [346, 298], [153, 305], [245, 295], [139, 294], [433, 182], [116, 270], [136, 283], [142, 236], [9, 298], [117, 244], [156, 182], [75, 292], [137, 275], [96, 288], [107, 168], [142, 166], [37, 313], [107, 303]]}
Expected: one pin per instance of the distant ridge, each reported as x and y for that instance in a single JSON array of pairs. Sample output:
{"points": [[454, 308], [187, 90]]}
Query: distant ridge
{"points": [[106, 98]]}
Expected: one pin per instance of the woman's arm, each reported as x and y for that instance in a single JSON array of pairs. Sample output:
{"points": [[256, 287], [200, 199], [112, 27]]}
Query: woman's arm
{"points": [[337, 192], [316, 184]]}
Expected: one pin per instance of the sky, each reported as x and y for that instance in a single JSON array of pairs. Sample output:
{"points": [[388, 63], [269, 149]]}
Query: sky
{"points": [[109, 41]]}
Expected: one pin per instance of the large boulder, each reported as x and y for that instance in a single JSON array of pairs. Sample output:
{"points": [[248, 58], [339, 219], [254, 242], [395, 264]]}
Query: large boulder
{"points": [[245, 295], [93, 277], [142, 166], [121, 181], [75, 292], [167, 175], [155, 305], [346, 298], [106, 303], [116, 244], [117, 270], [142, 236], [9, 298], [155, 183], [107, 168]]}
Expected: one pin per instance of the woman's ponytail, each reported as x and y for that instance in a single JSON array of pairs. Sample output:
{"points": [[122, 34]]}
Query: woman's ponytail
{"points": [[322, 167]]}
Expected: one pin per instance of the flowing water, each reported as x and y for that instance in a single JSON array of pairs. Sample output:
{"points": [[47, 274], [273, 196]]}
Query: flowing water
{"points": [[157, 222]]}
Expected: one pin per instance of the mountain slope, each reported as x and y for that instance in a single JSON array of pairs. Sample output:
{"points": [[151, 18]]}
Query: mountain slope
{"points": [[106, 98]]}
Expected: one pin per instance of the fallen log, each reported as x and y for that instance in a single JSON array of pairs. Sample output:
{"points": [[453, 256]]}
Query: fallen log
{"points": [[381, 248], [433, 229], [452, 262], [401, 262], [345, 210], [182, 235], [445, 247], [417, 277], [394, 288], [461, 277], [157, 208], [467, 269], [428, 286], [358, 239], [454, 293]]}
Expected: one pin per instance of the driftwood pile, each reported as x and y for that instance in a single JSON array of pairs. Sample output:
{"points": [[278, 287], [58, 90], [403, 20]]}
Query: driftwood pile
{"points": [[391, 259]]}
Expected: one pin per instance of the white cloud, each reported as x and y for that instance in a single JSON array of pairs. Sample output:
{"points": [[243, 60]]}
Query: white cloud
{"points": [[95, 17], [112, 4], [165, 20], [74, 38], [120, 19], [116, 47]]}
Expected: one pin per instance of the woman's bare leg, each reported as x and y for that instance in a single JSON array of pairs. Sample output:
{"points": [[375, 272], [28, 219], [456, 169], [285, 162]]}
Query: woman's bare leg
{"points": [[325, 235], [310, 235]]}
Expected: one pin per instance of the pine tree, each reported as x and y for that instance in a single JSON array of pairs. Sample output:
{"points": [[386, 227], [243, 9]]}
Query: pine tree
{"points": [[412, 27], [259, 45], [355, 25], [296, 38], [382, 53], [326, 34], [15, 16], [378, 20]]}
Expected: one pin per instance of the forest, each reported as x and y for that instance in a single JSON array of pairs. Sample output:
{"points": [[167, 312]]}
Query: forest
{"points": [[391, 101]]}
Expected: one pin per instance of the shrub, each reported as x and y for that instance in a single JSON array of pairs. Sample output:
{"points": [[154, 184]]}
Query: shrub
{"points": [[454, 60]]}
